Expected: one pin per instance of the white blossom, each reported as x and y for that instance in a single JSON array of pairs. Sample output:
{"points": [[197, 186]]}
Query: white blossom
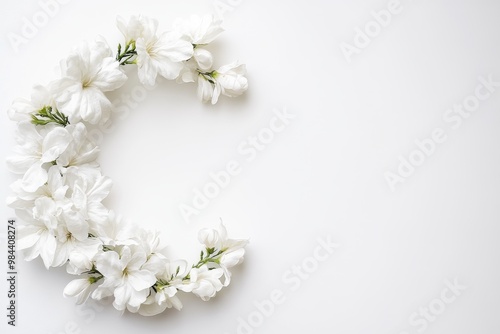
{"points": [[199, 29], [41, 96], [80, 288], [124, 277], [231, 251], [68, 228], [207, 91], [189, 72], [218, 239], [116, 231], [54, 188], [228, 80], [80, 262], [36, 238], [161, 54], [39, 146], [165, 296], [204, 59], [72, 239], [81, 150], [132, 29], [36, 147], [87, 189], [205, 282], [54, 215], [231, 78], [86, 75]]}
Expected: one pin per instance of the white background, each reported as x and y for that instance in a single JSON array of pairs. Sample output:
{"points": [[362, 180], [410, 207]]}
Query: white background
{"points": [[323, 175]]}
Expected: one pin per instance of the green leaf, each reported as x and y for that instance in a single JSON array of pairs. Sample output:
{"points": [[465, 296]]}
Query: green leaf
{"points": [[47, 115], [126, 57]]}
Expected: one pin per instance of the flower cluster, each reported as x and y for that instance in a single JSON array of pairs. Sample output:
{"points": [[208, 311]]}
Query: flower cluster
{"points": [[180, 54], [61, 188]]}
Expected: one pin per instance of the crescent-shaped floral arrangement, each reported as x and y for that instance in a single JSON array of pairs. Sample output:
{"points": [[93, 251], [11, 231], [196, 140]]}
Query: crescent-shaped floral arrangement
{"points": [[59, 194]]}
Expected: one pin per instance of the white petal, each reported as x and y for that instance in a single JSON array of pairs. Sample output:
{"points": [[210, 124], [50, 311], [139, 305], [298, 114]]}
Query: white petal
{"points": [[141, 279], [48, 247], [21, 163], [54, 143], [35, 177], [232, 259], [109, 264], [110, 77], [169, 69], [100, 190], [172, 46], [205, 89], [216, 94], [76, 225], [210, 238], [106, 289], [28, 236], [79, 288], [203, 58], [93, 104], [152, 309]]}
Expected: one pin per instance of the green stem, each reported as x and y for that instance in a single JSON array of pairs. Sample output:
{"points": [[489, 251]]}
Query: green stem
{"points": [[209, 76], [47, 115], [125, 57], [207, 256], [210, 256]]}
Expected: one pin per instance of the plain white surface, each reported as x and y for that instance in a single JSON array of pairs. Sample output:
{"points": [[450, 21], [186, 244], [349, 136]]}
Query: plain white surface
{"points": [[323, 175]]}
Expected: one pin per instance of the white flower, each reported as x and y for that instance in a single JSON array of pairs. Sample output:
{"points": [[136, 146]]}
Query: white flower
{"points": [[88, 188], [80, 288], [124, 278], [166, 295], [160, 54], [53, 217], [205, 282], [231, 79], [201, 62], [133, 29], [35, 238], [37, 146], [218, 240], [210, 238], [89, 72], [207, 91], [204, 59], [54, 188], [231, 251], [41, 97], [115, 231], [41, 145], [228, 260], [73, 239], [228, 80], [80, 262], [68, 228], [232, 258], [151, 306], [67, 218], [149, 241], [199, 30], [189, 72], [80, 150]]}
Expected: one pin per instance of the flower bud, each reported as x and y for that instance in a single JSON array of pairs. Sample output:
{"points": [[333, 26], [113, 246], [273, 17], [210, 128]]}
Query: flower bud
{"points": [[204, 59], [232, 79]]}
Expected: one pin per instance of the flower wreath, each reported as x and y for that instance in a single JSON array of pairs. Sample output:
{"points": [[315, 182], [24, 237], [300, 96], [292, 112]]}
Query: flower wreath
{"points": [[59, 196]]}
